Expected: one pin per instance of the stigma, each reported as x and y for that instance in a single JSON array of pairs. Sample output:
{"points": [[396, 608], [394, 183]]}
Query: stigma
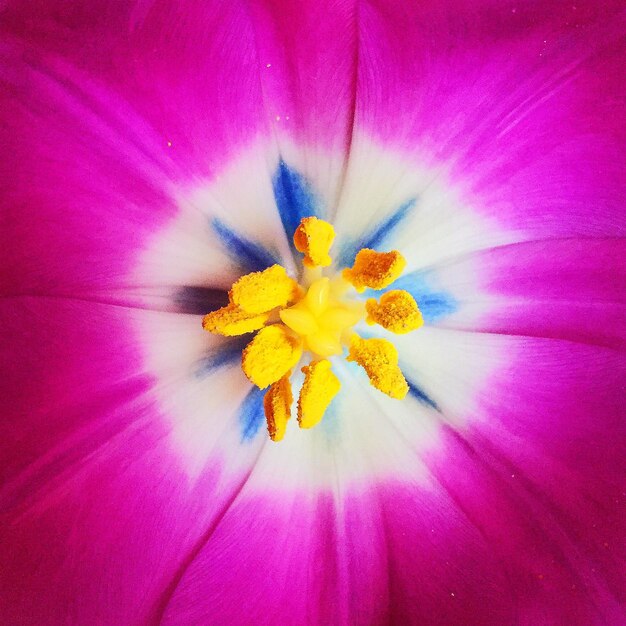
{"points": [[312, 321]]}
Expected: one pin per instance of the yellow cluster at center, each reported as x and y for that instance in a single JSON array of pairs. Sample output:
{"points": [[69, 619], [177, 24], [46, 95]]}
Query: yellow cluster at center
{"points": [[316, 317], [321, 318]]}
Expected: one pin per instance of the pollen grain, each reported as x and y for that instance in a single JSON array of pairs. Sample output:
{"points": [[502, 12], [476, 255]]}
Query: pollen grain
{"points": [[375, 270], [396, 311]]}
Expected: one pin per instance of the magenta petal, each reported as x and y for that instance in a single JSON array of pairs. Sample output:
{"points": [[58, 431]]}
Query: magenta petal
{"points": [[106, 117], [308, 59], [541, 476], [97, 507], [76, 189], [564, 289], [522, 104], [518, 522], [133, 490], [371, 559], [170, 64]]}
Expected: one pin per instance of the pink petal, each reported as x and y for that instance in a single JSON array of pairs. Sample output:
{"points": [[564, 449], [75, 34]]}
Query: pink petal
{"points": [[169, 63], [518, 521], [125, 128], [308, 57], [98, 507], [108, 119], [566, 289], [521, 106]]}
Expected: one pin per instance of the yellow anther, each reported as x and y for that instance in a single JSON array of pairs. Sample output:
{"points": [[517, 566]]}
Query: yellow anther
{"points": [[397, 311], [379, 359], [313, 238], [375, 270], [260, 292], [317, 296], [277, 404], [299, 319], [231, 320], [319, 388], [270, 355]]}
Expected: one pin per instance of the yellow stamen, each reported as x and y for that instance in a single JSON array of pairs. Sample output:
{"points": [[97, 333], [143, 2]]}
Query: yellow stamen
{"points": [[319, 388], [231, 320], [379, 359], [375, 270], [270, 355], [260, 292], [397, 311], [277, 404], [314, 237]]}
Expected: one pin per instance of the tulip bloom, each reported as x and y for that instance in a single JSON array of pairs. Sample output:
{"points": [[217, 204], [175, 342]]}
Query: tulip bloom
{"points": [[154, 153]]}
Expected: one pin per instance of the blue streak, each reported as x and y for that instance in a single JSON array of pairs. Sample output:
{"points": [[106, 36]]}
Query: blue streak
{"points": [[229, 353], [199, 300], [433, 303], [414, 389], [253, 256], [421, 396], [294, 198], [376, 237], [251, 414]]}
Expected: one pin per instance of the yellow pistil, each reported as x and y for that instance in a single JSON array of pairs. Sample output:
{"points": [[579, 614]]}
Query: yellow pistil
{"points": [[230, 320], [319, 388], [397, 311], [320, 319], [270, 355], [313, 238], [375, 270], [379, 359], [277, 405], [260, 292], [317, 318]]}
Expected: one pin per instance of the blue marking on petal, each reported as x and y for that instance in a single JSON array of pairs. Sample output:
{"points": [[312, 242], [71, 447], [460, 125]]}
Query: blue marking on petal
{"points": [[198, 300], [436, 306], [376, 237], [414, 389], [250, 255], [294, 198], [251, 414], [330, 422], [228, 353], [433, 303], [420, 395]]}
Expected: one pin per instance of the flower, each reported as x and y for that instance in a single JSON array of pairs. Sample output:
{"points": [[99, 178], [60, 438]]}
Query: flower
{"points": [[316, 318], [153, 153]]}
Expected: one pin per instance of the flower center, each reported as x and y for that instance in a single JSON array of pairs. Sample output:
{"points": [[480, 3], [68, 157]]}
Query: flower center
{"points": [[317, 319], [323, 318]]}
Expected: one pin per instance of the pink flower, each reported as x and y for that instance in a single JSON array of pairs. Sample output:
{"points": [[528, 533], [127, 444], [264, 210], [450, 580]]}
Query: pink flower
{"points": [[153, 152]]}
